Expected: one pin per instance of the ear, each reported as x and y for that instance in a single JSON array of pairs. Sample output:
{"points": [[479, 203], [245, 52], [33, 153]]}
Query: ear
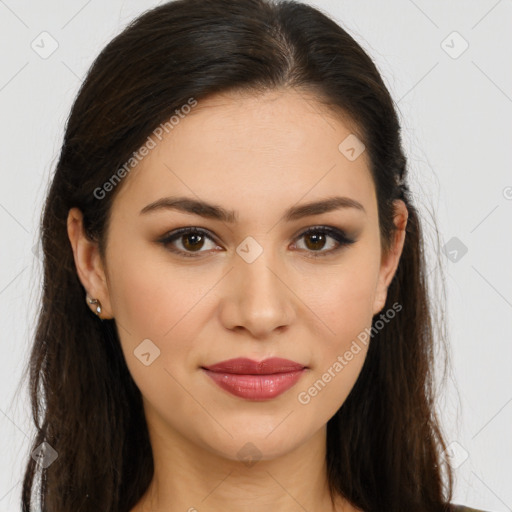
{"points": [[389, 261], [88, 263]]}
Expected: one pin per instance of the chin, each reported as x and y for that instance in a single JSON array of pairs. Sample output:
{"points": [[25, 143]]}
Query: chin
{"points": [[251, 445]]}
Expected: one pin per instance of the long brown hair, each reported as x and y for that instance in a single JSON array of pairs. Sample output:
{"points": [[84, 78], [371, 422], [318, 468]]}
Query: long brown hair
{"points": [[384, 444]]}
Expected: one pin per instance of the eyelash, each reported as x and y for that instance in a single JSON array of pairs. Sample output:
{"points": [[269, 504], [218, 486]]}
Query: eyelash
{"points": [[339, 236]]}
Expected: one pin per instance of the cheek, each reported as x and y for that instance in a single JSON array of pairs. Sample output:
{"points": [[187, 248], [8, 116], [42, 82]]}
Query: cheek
{"points": [[340, 356], [153, 297], [327, 388], [344, 303], [344, 299], [150, 301], [156, 309]]}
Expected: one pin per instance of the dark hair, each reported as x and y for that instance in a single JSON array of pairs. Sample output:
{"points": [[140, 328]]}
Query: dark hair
{"points": [[384, 444]]}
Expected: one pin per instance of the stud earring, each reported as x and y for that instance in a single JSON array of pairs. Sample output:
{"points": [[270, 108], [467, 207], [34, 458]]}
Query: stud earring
{"points": [[96, 302]]}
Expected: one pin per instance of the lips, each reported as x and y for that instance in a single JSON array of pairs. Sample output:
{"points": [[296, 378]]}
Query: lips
{"points": [[255, 380], [244, 366]]}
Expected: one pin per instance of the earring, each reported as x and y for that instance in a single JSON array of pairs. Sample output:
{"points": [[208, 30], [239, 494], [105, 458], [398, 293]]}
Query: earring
{"points": [[95, 301]]}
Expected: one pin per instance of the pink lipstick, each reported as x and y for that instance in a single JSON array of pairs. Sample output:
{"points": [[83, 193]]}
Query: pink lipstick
{"points": [[255, 380]]}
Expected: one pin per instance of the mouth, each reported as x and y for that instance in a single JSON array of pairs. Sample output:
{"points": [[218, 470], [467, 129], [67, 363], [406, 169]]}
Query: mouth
{"points": [[255, 380]]}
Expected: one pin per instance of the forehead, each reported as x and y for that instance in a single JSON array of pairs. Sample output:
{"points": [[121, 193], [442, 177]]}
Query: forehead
{"points": [[246, 149]]}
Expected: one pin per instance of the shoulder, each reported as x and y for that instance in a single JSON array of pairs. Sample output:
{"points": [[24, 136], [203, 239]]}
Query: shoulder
{"points": [[462, 508]]}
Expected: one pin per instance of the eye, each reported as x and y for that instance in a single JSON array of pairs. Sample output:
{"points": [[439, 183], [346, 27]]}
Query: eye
{"points": [[192, 240], [316, 238]]}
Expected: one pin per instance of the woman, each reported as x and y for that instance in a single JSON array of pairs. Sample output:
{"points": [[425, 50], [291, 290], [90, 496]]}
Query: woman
{"points": [[235, 311]]}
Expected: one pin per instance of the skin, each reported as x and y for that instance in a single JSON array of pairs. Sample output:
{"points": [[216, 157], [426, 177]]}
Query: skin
{"points": [[258, 155]]}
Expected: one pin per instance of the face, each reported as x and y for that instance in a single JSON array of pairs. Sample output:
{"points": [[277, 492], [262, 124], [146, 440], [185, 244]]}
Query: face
{"points": [[251, 283]]}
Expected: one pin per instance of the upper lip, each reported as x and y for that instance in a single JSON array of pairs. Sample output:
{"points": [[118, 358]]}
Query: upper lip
{"points": [[245, 366]]}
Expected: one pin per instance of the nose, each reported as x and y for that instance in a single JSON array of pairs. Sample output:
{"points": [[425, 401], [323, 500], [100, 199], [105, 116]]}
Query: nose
{"points": [[257, 298]]}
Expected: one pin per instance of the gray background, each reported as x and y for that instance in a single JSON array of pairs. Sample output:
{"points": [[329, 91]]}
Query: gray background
{"points": [[455, 107]]}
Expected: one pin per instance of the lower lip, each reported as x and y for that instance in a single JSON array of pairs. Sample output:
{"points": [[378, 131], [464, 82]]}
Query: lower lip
{"points": [[255, 387]]}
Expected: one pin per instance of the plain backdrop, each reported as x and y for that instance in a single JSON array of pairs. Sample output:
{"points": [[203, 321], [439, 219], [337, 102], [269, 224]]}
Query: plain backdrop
{"points": [[447, 65]]}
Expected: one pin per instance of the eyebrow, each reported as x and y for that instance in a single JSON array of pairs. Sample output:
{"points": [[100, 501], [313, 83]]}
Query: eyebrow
{"points": [[212, 211]]}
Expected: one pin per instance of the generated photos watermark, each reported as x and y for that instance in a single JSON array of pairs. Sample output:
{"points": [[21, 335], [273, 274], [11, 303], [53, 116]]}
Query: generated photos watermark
{"points": [[144, 150], [304, 397]]}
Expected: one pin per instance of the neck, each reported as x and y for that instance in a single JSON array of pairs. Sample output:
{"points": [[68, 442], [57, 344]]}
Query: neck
{"points": [[188, 477]]}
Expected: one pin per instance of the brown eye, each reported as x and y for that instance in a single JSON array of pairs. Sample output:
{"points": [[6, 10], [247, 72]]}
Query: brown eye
{"points": [[192, 240], [316, 239]]}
